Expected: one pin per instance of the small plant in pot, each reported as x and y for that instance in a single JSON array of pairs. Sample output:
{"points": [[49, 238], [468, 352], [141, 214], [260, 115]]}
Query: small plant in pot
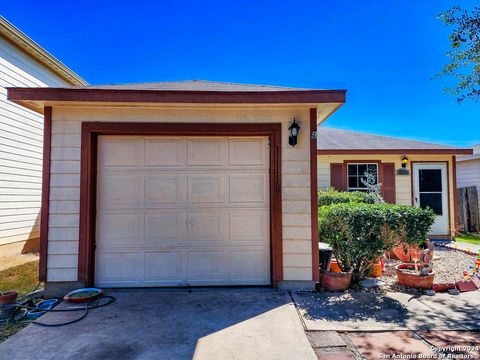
{"points": [[357, 233], [419, 276], [406, 253], [360, 234], [335, 281]]}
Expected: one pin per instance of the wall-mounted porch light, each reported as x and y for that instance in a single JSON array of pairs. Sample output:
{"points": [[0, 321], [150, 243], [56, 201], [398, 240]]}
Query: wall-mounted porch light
{"points": [[294, 130], [404, 161]]}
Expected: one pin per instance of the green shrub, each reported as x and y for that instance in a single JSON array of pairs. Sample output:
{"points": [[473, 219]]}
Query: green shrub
{"points": [[361, 233], [413, 223], [332, 196]]}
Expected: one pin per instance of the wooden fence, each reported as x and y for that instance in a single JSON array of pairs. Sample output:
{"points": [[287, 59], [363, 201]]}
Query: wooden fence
{"points": [[468, 210]]}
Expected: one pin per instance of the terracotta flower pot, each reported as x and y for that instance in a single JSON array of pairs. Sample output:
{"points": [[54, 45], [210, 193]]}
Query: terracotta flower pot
{"points": [[407, 253], [403, 253], [334, 267], [376, 270], [9, 297], [6, 299], [391, 255], [335, 281], [413, 280]]}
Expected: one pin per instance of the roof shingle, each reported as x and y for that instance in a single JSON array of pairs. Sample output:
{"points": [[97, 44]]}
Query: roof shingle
{"points": [[336, 139], [194, 85]]}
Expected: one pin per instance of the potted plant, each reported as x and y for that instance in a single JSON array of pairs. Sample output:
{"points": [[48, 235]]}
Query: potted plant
{"points": [[335, 281], [419, 276], [360, 233], [406, 253]]}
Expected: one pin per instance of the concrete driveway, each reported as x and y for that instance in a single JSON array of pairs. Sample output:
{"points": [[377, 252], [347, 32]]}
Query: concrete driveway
{"points": [[178, 324]]}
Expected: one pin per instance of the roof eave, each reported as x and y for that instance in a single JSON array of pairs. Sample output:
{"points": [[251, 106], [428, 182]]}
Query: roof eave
{"points": [[394, 151], [469, 158], [36, 97]]}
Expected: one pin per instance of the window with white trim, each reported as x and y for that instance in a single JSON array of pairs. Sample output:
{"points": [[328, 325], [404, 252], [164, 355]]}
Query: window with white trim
{"points": [[356, 172]]}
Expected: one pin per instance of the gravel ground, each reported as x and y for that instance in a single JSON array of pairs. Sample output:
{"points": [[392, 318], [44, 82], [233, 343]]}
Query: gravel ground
{"points": [[447, 264]]}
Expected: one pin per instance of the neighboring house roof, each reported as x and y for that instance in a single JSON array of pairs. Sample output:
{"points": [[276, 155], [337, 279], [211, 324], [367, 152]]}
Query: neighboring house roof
{"points": [[21, 40], [186, 92], [475, 156], [336, 141], [194, 85]]}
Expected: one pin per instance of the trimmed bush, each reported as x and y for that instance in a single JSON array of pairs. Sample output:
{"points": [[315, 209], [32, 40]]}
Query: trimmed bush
{"points": [[332, 196], [361, 233]]}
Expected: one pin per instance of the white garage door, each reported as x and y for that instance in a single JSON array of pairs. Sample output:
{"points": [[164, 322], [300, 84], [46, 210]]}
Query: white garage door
{"points": [[182, 211]]}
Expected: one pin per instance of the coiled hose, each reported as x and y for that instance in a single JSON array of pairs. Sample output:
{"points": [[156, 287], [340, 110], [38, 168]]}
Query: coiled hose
{"points": [[92, 304]]}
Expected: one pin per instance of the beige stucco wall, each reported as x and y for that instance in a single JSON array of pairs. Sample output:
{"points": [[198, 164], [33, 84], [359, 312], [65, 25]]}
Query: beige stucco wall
{"points": [[65, 178], [403, 184]]}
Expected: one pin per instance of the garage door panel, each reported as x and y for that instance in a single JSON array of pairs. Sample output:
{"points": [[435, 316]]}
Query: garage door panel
{"points": [[249, 265], [248, 151], [206, 151], [118, 228], [165, 227], [118, 267], [118, 189], [163, 265], [165, 151], [205, 265], [246, 188], [206, 188], [119, 152], [251, 226], [182, 211], [165, 189], [206, 226]]}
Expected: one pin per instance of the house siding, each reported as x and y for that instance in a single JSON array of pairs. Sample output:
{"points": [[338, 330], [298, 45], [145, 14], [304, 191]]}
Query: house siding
{"points": [[65, 177], [403, 184], [21, 141]]}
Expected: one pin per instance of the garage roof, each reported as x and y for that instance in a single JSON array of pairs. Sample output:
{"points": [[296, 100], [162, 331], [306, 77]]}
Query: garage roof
{"points": [[336, 141], [194, 85], [179, 92]]}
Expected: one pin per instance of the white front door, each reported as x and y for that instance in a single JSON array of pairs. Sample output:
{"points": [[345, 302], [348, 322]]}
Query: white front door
{"points": [[430, 190], [182, 211]]}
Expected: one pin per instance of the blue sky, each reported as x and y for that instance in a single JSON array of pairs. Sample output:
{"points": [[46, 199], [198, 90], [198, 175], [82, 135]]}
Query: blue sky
{"points": [[383, 52]]}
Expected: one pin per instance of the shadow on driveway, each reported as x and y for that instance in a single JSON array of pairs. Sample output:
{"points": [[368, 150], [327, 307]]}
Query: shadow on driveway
{"points": [[352, 307], [388, 311]]}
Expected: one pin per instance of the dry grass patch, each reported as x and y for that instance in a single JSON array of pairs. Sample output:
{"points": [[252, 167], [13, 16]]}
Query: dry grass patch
{"points": [[21, 278]]}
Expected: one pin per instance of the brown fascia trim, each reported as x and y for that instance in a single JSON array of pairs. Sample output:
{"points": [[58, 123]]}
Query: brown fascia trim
{"points": [[314, 196], [88, 179], [395, 152], [22, 95]]}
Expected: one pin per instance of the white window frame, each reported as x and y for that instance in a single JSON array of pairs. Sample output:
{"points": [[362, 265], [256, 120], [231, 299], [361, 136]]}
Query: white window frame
{"points": [[358, 175]]}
